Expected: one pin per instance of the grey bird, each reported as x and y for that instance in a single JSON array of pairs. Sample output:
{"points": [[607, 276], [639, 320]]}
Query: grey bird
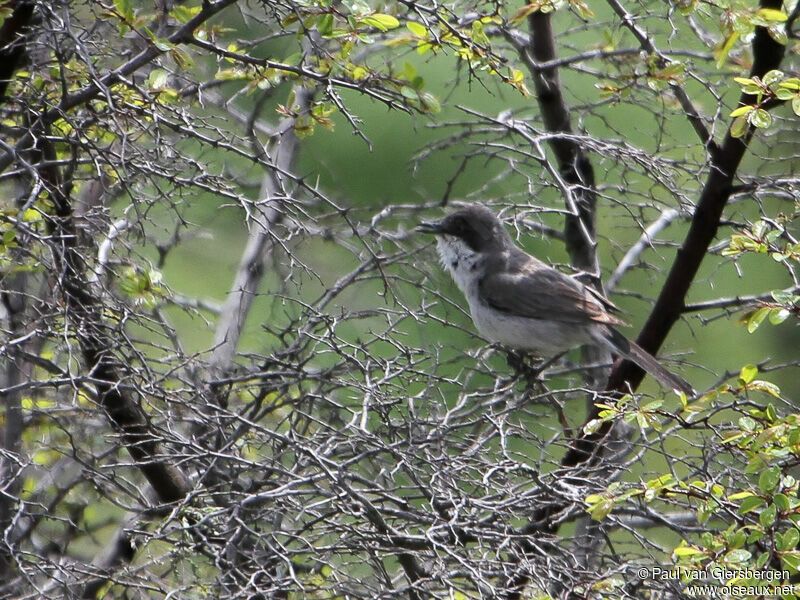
{"points": [[520, 302]]}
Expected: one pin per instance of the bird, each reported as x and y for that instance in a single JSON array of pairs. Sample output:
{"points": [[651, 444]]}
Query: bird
{"points": [[519, 301]]}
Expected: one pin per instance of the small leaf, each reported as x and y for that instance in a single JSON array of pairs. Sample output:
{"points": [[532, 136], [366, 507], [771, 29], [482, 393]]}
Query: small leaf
{"points": [[742, 110], [430, 103], [592, 426], [157, 79], [124, 8], [769, 480], [739, 127], [409, 92], [381, 21], [737, 556], [790, 539], [747, 374], [417, 29], [772, 77], [783, 93], [687, 551], [767, 516], [325, 24], [757, 318], [526, 10], [770, 14], [741, 495], [183, 14], [748, 424], [751, 503], [760, 118], [791, 560], [781, 501], [778, 315], [601, 510], [725, 49], [796, 105], [777, 31], [766, 387]]}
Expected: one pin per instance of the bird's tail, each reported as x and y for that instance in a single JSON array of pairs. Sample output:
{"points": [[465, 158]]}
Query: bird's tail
{"points": [[618, 343]]}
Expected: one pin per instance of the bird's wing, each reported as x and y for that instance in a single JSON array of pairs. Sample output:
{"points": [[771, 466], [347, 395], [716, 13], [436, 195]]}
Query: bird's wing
{"points": [[544, 293], [608, 304]]}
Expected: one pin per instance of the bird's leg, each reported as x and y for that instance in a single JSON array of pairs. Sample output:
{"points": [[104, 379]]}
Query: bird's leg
{"points": [[547, 363], [528, 366], [516, 360]]}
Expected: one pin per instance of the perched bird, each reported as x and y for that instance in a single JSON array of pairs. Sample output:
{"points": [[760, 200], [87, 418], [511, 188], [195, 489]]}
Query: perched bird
{"points": [[519, 301]]}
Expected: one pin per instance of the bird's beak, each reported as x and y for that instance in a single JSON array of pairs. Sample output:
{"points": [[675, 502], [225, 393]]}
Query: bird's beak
{"points": [[434, 227]]}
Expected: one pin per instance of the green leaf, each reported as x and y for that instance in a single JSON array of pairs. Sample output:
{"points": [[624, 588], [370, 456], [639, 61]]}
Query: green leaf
{"points": [[778, 315], [770, 14], [417, 29], [781, 501], [796, 105], [592, 426], [183, 14], [409, 92], [785, 93], [789, 540], [430, 103], [757, 318], [687, 551], [751, 503], [777, 31], [791, 560], [725, 49], [125, 8], [742, 110], [772, 77], [325, 24], [767, 516], [739, 127], [747, 374], [601, 510], [747, 424], [737, 556], [157, 79], [771, 414], [381, 21], [793, 83], [760, 118], [769, 480], [782, 296], [741, 495], [766, 387]]}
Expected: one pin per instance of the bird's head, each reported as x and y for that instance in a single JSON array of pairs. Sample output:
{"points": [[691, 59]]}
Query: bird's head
{"points": [[475, 226]]}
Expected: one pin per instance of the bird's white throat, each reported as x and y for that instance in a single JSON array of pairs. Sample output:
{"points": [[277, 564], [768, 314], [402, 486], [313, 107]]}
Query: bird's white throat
{"points": [[463, 263]]}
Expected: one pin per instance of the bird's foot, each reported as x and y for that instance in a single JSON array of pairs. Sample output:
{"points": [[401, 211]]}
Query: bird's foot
{"points": [[525, 365]]}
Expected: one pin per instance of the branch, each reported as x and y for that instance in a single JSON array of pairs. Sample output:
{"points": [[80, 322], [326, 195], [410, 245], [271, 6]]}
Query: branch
{"points": [[97, 345], [251, 264], [641, 244], [588, 448], [101, 85], [680, 94], [734, 302], [579, 226], [12, 47], [767, 55]]}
